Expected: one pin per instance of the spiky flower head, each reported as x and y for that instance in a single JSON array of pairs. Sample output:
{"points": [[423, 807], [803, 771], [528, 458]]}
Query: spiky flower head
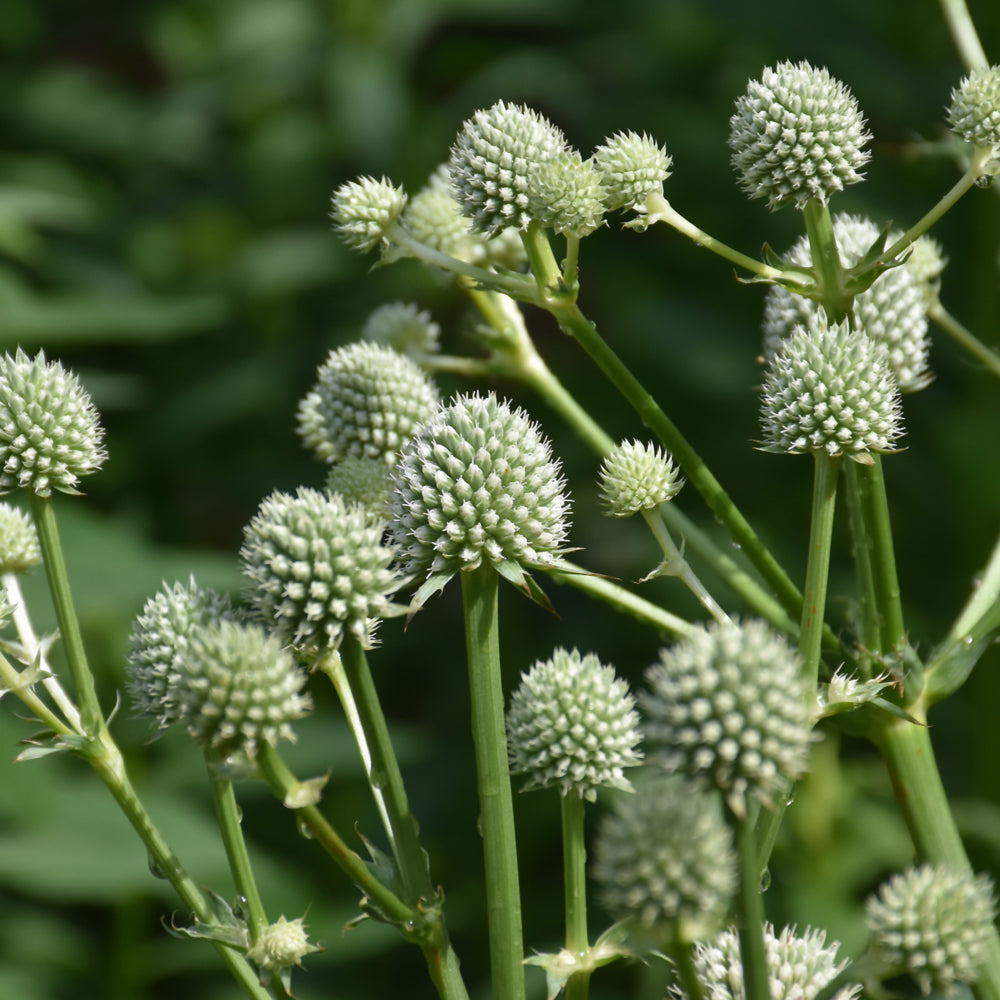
{"points": [[799, 966], [477, 483], [797, 135], [19, 548], [316, 569], [492, 159], [435, 218], [50, 431], [892, 311], [728, 705], [364, 481], [281, 945], [632, 167], [363, 211], [664, 859], [161, 640], [974, 112], [404, 327], [935, 923], [367, 400], [572, 724], [636, 476], [829, 389], [566, 194]]}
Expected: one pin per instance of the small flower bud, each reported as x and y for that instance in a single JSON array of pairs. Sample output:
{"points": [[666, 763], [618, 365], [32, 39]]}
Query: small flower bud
{"points": [[281, 945], [572, 724], [829, 389], [365, 210], [368, 399], [632, 167], [728, 704], [50, 432], [565, 193], [635, 477], [402, 327], [974, 112], [935, 923], [19, 548], [797, 135]]}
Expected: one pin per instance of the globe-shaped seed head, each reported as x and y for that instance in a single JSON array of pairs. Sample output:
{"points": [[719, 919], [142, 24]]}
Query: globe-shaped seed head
{"points": [[797, 135], [935, 923], [363, 211], [50, 431], [435, 218], [492, 159], [316, 569], [364, 481], [632, 167], [281, 945], [727, 705], [403, 327], [478, 482], [636, 477], [974, 112], [19, 548], [664, 859], [572, 724], [829, 390], [566, 194], [368, 399]]}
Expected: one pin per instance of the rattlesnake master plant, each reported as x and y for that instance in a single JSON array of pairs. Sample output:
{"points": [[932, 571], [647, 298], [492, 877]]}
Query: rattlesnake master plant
{"points": [[635, 476], [19, 548], [364, 211], [934, 923], [50, 431], [797, 135], [281, 945], [572, 724], [566, 194], [403, 327], [632, 167], [974, 111]]}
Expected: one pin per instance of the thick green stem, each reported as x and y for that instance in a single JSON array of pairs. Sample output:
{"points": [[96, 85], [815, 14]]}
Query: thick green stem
{"points": [[503, 897], [575, 890], [751, 911], [826, 260], [963, 33], [861, 550]]}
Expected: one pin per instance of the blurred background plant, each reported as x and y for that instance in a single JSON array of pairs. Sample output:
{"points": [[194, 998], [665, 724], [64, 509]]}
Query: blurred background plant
{"points": [[164, 190]]}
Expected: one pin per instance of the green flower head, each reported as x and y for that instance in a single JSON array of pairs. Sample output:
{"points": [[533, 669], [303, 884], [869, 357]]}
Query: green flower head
{"points": [[974, 112], [364, 211], [632, 167], [19, 548], [636, 477]]}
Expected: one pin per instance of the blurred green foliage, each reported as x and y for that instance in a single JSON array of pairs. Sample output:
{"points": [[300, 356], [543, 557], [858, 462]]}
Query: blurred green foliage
{"points": [[164, 189]]}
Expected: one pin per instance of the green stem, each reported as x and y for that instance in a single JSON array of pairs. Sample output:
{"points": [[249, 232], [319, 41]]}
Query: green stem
{"points": [[503, 898], [751, 910], [963, 33], [826, 260], [965, 338], [542, 261], [575, 890], [861, 550]]}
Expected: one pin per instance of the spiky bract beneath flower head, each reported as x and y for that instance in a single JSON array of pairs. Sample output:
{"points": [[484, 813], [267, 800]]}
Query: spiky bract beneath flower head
{"points": [[316, 569], [19, 548], [50, 431], [572, 724], [636, 476], [974, 112], [492, 159], [404, 328], [727, 705], [935, 923], [365, 210], [632, 167], [829, 390], [566, 194], [477, 483], [797, 135], [368, 399], [664, 860]]}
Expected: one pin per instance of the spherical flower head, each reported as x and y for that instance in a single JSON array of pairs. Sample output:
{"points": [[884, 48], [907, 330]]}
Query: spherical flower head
{"points": [[364, 211], [435, 218], [492, 159], [892, 311], [160, 642], [829, 390], [368, 399], [635, 477], [403, 327], [281, 945], [728, 705], [238, 687], [935, 923], [664, 859], [566, 194], [632, 167], [19, 548], [572, 724], [364, 481], [974, 112], [797, 135], [317, 569], [477, 483], [50, 432]]}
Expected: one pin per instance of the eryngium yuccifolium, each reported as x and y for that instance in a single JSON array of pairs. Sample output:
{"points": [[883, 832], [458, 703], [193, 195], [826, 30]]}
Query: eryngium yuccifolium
{"points": [[368, 399], [636, 476], [797, 135], [664, 859], [478, 482], [435, 218], [933, 922], [404, 327], [566, 194], [892, 311], [316, 568], [572, 724], [19, 548], [492, 159], [281, 945], [363, 211], [974, 112], [364, 481], [632, 167], [238, 687], [799, 966], [829, 389], [728, 705], [50, 432], [160, 643]]}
